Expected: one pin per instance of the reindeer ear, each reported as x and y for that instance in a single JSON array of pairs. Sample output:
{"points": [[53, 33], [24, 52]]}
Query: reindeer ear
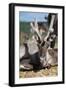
{"points": [[51, 52]]}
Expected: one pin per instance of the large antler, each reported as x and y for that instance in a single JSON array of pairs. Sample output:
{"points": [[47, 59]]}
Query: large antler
{"points": [[35, 28], [50, 27]]}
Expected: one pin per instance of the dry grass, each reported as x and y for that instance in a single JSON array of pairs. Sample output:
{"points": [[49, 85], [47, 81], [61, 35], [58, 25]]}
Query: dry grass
{"points": [[53, 71]]}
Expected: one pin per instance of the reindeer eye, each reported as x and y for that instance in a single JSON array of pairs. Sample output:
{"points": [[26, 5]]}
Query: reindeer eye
{"points": [[51, 37]]}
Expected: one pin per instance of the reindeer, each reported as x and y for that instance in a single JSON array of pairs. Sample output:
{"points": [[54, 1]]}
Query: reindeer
{"points": [[48, 55]]}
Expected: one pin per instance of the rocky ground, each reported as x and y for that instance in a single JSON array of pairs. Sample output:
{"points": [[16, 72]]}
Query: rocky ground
{"points": [[53, 71]]}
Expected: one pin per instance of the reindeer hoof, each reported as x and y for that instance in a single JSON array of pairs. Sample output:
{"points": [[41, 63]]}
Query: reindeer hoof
{"points": [[26, 67], [49, 66]]}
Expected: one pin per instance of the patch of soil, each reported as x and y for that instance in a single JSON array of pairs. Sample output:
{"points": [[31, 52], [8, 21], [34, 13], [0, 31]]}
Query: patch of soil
{"points": [[53, 71]]}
